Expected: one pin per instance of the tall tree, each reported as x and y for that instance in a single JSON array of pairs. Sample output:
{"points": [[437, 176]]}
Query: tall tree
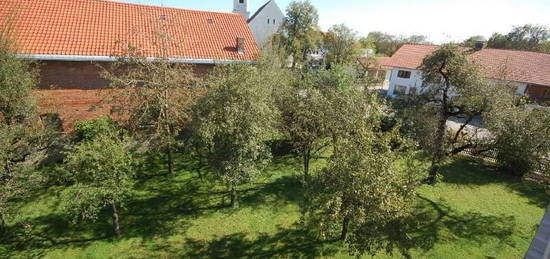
{"points": [[302, 109], [387, 44], [99, 171], [456, 87], [341, 45], [300, 30], [20, 129], [362, 186], [154, 99], [527, 37], [234, 119]]}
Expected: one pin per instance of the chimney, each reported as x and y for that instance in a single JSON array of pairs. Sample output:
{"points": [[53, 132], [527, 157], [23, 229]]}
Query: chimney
{"points": [[479, 45], [240, 45]]}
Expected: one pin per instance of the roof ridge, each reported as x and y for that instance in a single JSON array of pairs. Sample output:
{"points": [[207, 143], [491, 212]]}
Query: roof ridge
{"points": [[155, 6], [259, 10]]}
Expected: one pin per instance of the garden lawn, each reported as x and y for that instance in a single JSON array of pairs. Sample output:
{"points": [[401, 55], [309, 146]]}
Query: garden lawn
{"points": [[472, 213]]}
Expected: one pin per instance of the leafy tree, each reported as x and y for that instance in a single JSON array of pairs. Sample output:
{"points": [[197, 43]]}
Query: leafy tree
{"points": [[154, 99], [527, 37], [234, 119], [453, 86], [471, 42], [341, 45], [20, 130], [362, 191], [300, 30], [520, 138], [367, 43], [302, 109], [387, 44], [100, 173]]}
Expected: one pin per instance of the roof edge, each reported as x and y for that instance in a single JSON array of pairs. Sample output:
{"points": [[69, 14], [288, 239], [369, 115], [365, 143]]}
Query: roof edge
{"points": [[78, 58]]}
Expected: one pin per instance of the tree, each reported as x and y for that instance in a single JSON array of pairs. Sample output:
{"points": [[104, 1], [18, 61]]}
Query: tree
{"points": [[234, 119], [362, 191], [527, 37], [300, 30], [387, 44], [20, 129], [471, 42], [302, 111], [341, 45], [520, 139], [154, 99], [453, 86], [99, 171]]}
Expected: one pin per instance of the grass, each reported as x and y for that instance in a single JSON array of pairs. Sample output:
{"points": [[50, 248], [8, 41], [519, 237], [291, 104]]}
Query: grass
{"points": [[473, 213]]}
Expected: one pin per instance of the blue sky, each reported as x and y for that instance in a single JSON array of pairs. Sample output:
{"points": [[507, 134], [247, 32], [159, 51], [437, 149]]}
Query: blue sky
{"points": [[440, 20]]}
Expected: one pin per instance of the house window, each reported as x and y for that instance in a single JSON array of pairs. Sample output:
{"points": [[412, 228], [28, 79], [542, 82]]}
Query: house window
{"points": [[403, 74], [400, 90], [267, 20], [241, 1], [273, 21]]}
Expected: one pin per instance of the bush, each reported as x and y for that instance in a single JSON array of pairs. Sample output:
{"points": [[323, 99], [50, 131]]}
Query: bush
{"points": [[89, 130], [522, 141]]}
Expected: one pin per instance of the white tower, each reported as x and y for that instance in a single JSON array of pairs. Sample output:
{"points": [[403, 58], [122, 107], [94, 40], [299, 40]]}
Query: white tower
{"points": [[241, 7]]}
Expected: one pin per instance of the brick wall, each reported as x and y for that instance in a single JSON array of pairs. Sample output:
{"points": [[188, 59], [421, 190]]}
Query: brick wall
{"points": [[70, 89]]}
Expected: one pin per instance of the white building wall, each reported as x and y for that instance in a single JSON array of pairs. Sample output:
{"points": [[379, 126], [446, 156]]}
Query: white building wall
{"points": [[266, 23], [416, 81]]}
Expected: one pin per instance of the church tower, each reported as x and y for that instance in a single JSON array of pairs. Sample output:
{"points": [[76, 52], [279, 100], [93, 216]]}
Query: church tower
{"points": [[241, 7]]}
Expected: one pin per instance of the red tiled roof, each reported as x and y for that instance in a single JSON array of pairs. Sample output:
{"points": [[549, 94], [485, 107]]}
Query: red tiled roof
{"points": [[514, 65], [379, 62], [105, 28]]}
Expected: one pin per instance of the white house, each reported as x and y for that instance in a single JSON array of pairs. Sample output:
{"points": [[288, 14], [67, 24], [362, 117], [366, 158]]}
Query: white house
{"points": [[263, 23], [528, 71]]}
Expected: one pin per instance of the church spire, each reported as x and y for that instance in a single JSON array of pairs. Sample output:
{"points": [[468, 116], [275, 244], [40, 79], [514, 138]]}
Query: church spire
{"points": [[241, 7]]}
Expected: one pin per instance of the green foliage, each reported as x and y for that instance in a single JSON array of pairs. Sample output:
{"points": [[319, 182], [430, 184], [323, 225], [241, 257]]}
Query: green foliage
{"points": [[300, 30], [471, 42], [99, 173], [521, 139], [19, 130], [362, 192], [387, 44], [527, 37], [341, 45], [153, 99], [89, 130], [234, 119]]}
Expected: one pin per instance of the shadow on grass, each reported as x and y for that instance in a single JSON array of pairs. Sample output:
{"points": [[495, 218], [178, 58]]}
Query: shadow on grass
{"points": [[436, 223], [294, 242], [469, 172]]}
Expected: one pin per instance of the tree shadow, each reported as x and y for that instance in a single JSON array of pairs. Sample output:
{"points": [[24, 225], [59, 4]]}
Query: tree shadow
{"points": [[437, 223], [294, 242], [468, 172]]}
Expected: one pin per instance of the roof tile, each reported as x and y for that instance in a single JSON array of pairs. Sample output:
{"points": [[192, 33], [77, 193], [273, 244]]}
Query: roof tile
{"points": [[106, 28]]}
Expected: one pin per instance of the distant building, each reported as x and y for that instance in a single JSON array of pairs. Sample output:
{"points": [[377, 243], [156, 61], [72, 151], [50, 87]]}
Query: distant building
{"points": [[263, 23], [528, 71]]}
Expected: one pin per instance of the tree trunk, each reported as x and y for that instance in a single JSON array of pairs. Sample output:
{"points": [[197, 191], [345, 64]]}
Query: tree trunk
{"points": [[307, 159], [169, 159], [233, 196], [345, 228], [439, 153], [3, 226], [116, 224]]}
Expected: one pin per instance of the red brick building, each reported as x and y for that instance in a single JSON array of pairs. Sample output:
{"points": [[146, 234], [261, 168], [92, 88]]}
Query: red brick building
{"points": [[73, 39]]}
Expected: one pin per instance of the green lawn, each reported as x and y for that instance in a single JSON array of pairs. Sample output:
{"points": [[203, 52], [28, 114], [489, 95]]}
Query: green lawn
{"points": [[472, 213]]}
